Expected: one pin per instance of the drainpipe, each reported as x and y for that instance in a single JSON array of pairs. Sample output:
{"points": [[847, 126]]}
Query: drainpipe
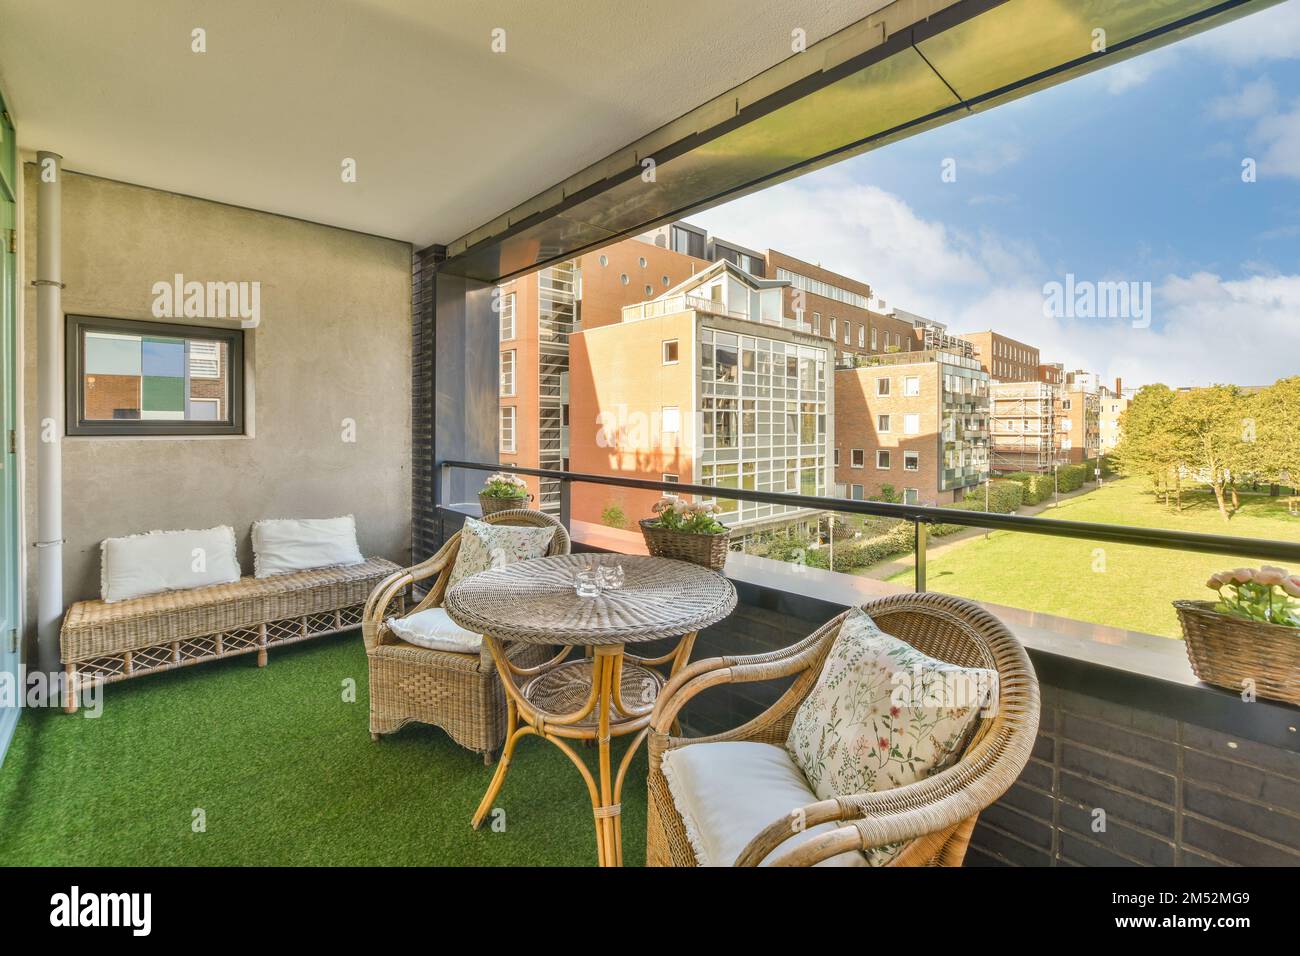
{"points": [[49, 408]]}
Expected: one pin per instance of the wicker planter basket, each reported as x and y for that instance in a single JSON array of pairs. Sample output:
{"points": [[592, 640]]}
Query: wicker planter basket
{"points": [[708, 550], [1226, 650], [491, 505]]}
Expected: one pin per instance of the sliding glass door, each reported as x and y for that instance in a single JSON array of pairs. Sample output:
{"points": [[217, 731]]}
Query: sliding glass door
{"points": [[10, 625]]}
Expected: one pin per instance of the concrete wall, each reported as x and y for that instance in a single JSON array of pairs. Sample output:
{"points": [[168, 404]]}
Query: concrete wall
{"points": [[334, 343]]}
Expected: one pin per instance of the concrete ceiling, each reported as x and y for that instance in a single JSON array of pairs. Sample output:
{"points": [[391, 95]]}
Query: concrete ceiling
{"points": [[446, 133]]}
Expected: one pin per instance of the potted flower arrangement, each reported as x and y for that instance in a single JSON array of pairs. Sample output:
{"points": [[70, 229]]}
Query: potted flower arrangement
{"points": [[687, 532], [502, 492], [1252, 633]]}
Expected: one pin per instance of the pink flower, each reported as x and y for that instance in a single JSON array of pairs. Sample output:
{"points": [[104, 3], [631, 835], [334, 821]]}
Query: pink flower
{"points": [[1242, 576], [1292, 585], [1217, 580], [1270, 567], [1270, 576]]}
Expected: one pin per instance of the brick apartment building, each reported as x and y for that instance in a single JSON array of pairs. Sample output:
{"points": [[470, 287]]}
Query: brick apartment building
{"points": [[538, 313], [1079, 410], [917, 423], [1114, 402], [709, 383], [1004, 358]]}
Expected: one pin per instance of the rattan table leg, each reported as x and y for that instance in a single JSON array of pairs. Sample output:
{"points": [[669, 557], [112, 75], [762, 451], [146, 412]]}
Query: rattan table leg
{"points": [[498, 779]]}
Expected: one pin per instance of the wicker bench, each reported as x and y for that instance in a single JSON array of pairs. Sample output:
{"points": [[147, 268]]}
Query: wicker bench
{"points": [[111, 642]]}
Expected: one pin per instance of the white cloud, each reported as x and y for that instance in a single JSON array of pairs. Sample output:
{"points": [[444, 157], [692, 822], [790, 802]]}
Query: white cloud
{"points": [[1204, 328], [1271, 34], [1279, 137], [1252, 100]]}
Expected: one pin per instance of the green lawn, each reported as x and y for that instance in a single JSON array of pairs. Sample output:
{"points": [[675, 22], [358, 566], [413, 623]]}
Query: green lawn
{"points": [[286, 773], [1120, 585]]}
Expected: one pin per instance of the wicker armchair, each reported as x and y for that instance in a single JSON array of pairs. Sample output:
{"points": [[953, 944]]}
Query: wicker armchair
{"points": [[460, 693], [935, 815]]}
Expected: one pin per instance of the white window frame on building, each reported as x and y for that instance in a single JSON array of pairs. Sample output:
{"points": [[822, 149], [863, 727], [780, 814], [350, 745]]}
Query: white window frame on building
{"points": [[912, 385], [886, 459], [506, 429], [858, 458], [508, 317], [911, 424], [666, 346], [911, 461], [882, 387], [671, 419], [837, 457], [882, 424], [508, 374]]}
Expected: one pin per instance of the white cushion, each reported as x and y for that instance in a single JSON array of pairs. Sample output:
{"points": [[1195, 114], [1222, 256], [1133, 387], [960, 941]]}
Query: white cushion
{"points": [[166, 561], [281, 545], [433, 628], [484, 545], [726, 793], [883, 714]]}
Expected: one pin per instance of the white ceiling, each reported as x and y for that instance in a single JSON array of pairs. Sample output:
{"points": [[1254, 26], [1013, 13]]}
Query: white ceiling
{"points": [[446, 134]]}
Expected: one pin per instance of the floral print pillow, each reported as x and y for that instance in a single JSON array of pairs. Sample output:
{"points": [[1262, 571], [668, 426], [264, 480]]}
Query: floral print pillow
{"points": [[484, 546], [883, 714]]}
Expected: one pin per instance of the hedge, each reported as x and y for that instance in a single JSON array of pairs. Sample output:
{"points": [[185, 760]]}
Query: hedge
{"points": [[1071, 477], [1004, 497], [1037, 488]]}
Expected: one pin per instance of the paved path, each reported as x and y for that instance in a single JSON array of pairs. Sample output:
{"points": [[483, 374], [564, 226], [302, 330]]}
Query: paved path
{"points": [[938, 546]]}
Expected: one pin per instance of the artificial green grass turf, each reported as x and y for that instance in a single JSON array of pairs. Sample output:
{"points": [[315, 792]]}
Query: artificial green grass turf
{"points": [[287, 775], [1126, 586]]}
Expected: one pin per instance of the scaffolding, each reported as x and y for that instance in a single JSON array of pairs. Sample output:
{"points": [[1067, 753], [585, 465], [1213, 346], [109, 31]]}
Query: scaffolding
{"points": [[1023, 428], [556, 321]]}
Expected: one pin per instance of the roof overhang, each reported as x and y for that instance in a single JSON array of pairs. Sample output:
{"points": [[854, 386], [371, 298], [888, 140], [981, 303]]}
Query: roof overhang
{"points": [[911, 66]]}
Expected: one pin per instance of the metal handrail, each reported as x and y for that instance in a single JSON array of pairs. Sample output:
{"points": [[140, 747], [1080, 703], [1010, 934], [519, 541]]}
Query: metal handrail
{"points": [[921, 516]]}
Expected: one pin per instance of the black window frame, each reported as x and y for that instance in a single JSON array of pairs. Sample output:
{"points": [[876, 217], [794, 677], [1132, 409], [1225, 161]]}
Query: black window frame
{"points": [[74, 328]]}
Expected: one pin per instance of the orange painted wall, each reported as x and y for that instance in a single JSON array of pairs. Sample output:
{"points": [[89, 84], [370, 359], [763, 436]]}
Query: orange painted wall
{"points": [[617, 381]]}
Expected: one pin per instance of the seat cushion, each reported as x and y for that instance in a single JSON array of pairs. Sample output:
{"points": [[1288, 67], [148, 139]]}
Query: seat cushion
{"points": [[284, 545], [484, 545], [158, 561], [727, 792], [883, 714], [433, 628]]}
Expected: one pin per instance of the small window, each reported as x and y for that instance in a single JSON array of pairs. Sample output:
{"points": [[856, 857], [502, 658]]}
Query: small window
{"points": [[666, 281], [623, 278], [882, 423], [912, 385], [911, 424], [858, 492], [673, 478], [911, 496], [642, 262], [817, 322], [882, 386], [670, 351], [649, 289], [911, 461], [152, 378], [882, 459], [859, 458], [507, 428], [848, 332], [604, 260], [874, 340], [507, 317], [837, 458], [672, 419], [1065, 405], [508, 373], [862, 336]]}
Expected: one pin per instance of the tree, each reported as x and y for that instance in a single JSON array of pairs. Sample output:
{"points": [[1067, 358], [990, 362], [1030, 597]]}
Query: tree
{"points": [[1277, 432], [1211, 421], [1149, 444]]}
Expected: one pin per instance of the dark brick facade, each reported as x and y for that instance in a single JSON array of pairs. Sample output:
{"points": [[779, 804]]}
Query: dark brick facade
{"points": [[1174, 793]]}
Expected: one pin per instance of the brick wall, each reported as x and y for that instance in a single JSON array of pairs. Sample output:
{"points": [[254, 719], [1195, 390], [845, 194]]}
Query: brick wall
{"points": [[1175, 793]]}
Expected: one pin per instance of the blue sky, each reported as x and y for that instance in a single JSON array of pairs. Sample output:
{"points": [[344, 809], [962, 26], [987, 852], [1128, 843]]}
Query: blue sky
{"points": [[1133, 173]]}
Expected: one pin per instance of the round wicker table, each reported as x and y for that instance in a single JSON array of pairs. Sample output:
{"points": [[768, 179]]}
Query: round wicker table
{"points": [[607, 692]]}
